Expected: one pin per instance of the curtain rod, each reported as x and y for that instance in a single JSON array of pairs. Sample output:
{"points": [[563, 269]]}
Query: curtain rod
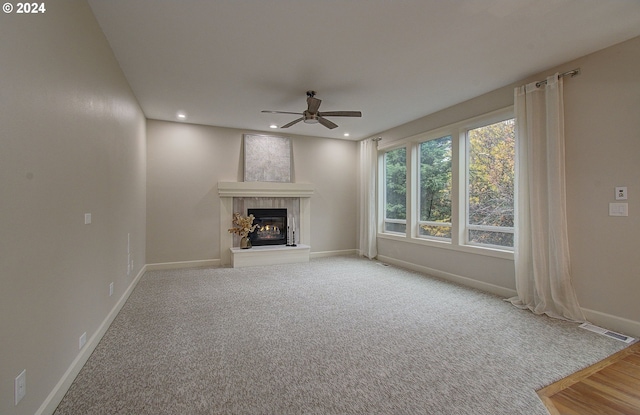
{"points": [[570, 73]]}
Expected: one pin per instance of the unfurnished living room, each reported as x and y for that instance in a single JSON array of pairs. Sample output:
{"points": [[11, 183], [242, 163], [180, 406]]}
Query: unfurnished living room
{"points": [[328, 207]]}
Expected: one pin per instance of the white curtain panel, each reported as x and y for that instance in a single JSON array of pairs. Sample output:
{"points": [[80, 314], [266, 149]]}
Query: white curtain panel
{"points": [[367, 198], [543, 274]]}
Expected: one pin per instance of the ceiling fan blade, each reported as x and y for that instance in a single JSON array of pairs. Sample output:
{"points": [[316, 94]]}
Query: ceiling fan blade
{"points": [[292, 122], [330, 125], [282, 112], [340, 114], [313, 104]]}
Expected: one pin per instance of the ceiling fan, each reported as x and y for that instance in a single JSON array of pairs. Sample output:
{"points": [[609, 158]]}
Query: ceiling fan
{"points": [[312, 116]]}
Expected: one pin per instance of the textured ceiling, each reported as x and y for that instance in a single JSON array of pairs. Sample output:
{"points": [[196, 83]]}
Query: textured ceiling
{"points": [[223, 61]]}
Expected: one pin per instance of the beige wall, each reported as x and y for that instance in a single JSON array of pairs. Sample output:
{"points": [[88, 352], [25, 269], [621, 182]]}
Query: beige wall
{"points": [[602, 116], [72, 141], [602, 151], [186, 162]]}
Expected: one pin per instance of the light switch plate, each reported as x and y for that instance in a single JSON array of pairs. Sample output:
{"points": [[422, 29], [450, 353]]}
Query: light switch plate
{"points": [[618, 209]]}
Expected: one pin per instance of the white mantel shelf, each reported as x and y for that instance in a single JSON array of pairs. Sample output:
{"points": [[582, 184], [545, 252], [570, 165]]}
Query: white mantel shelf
{"points": [[269, 255], [238, 257], [264, 189]]}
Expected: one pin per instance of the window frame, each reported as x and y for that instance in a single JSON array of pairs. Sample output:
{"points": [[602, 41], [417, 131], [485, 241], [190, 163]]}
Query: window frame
{"points": [[459, 193], [464, 135]]}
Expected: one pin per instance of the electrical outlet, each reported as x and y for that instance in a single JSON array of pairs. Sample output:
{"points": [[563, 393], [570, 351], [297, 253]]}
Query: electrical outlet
{"points": [[20, 386], [83, 340], [110, 289], [87, 218]]}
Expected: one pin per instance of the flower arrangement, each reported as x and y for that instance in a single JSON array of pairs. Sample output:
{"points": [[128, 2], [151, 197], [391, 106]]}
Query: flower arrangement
{"points": [[243, 225]]}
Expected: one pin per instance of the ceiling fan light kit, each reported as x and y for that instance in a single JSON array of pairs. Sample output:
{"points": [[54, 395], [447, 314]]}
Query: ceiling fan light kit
{"points": [[312, 116]]}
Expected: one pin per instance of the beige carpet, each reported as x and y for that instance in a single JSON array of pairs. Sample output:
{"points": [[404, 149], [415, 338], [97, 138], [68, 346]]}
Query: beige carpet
{"points": [[336, 336]]}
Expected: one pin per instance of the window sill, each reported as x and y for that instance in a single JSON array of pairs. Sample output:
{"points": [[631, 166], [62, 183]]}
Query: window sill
{"points": [[470, 249]]}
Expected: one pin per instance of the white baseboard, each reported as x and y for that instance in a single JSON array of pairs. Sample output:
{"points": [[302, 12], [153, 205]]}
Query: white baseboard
{"points": [[614, 323], [608, 321], [183, 264], [458, 279], [324, 254], [53, 400], [217, 262]]}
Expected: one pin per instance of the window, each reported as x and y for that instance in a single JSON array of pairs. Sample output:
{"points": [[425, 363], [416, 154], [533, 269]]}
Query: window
{"points": [[395, 193], [435, 188], [490, 184], [453, 186]]}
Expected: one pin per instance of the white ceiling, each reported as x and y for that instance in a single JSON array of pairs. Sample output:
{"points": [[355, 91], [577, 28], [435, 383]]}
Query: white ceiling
{"points": [[223, 61]]}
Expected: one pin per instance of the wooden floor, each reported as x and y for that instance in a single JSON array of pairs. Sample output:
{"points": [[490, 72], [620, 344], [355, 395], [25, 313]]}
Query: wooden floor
{"points": [[609, 387]]}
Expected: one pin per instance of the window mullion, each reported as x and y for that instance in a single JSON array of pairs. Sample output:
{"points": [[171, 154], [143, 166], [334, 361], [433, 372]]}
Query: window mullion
{"points": [[458, 191], [382, 197], [413, 164]]}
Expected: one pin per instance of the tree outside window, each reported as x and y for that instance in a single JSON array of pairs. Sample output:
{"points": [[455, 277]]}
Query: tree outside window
{"points": [[491, 174], [435, 188], [473, 160], [395, 168]]}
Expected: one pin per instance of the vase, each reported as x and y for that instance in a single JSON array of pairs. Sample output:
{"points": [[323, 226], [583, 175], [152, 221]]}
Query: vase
{"points": [[245, 242]]}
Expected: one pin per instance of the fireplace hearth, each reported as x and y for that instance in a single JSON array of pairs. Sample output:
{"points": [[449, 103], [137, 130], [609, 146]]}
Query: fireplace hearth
{"points": [[272, 226]]}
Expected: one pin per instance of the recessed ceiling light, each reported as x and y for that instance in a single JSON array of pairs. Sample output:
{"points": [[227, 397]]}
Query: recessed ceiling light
{"points": [[273, 126], [182, 116], [346, 134]]}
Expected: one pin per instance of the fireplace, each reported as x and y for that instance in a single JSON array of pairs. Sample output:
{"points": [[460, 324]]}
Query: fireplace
{"points": [[241, 196], [272, 226]]}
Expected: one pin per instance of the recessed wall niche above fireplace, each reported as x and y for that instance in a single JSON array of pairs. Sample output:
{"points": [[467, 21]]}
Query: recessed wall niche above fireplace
{"points": [[272, 226]]}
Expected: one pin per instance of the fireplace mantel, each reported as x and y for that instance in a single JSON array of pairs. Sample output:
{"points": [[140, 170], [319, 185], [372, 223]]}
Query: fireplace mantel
{"points": [[264, 189], [228, 190]]}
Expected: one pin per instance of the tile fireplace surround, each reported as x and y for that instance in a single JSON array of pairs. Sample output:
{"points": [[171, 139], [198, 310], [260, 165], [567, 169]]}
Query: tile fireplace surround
{"points": [[228, 190]]}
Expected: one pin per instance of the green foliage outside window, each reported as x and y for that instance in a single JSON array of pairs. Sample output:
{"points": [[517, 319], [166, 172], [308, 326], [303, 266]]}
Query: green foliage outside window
{"points": [[491, 181], [396, 183], [490, 185], [435, 187]]}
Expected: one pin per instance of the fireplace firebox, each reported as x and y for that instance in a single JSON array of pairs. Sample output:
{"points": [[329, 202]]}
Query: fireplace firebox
{"points": [[272, 227]]}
